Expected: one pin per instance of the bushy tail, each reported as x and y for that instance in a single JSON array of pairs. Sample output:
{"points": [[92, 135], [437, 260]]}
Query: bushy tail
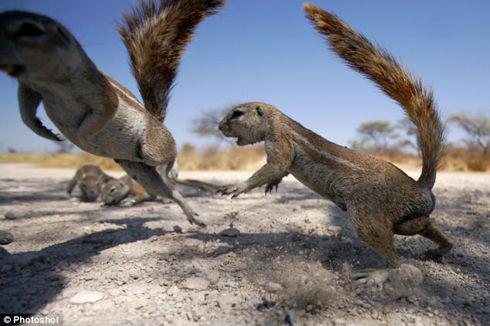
{"points": [[155, 33], [379, 66]]}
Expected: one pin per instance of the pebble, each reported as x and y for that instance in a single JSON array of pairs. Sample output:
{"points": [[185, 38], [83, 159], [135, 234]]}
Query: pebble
{"points": [[336, 230], [272, 287], [6, 238], [196, 283], [230, 232], [86, 296], [177, 229], [16, 214]]}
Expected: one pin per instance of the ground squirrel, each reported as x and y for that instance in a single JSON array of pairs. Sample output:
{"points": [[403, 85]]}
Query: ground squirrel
{"points": [[127, 192], [89, 108], [89, 179], [380, 198], [123, 191]]}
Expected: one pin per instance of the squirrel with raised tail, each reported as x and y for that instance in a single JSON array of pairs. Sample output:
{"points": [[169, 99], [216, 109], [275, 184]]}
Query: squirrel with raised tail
{"points": [[380, 198], [92, 110]]}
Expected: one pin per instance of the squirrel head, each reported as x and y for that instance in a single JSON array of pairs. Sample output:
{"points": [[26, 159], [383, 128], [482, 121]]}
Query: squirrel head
{"points": [[35, 48], [247, 122], [114, 191], [89, 186]]}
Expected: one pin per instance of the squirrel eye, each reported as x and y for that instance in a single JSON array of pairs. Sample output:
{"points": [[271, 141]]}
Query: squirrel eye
{"points": [[28, 29], [236, 114]]}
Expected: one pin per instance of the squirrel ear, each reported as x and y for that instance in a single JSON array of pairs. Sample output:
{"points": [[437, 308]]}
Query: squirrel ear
{"points": [[259, 111]]}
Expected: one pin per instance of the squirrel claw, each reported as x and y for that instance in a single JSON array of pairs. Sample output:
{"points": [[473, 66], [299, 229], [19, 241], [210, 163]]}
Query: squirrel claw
{"points": [[234, 190], [195, 221], [270, 187]]}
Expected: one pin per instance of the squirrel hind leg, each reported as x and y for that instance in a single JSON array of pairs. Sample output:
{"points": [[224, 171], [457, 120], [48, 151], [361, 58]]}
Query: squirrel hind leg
{"points": [[430, 232], [424, 227], [412, 226], [377, 232], [148, 177]]}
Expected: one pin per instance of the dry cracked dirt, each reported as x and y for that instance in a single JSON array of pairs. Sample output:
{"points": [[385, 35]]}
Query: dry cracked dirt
{"points": [[284, 258]]}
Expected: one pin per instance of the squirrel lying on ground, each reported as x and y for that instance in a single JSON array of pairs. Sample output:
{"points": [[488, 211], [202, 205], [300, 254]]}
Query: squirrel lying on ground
{"points": [[127, 192], [380, 198], [94, 185], [91, 109], [89, 179], [123, 191]]}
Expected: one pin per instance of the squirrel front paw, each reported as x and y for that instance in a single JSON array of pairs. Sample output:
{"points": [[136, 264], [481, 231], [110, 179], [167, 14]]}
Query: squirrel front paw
{"points": [[271, 186], [128, 202], [233, 190]]}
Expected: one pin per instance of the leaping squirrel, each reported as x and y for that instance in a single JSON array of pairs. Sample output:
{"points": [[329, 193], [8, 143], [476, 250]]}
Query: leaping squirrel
{"points": [[380, 198], [91, 109]]}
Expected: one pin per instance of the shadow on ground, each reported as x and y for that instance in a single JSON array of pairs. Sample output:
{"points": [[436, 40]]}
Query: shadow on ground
{"points": [[30, 279]]}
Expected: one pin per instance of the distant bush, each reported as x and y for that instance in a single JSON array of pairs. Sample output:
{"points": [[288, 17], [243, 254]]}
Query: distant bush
{"points": [[60, 160], [219, 158]]}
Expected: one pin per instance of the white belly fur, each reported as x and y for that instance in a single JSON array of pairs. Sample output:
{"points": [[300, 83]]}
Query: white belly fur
{"points": [[119, 139]]}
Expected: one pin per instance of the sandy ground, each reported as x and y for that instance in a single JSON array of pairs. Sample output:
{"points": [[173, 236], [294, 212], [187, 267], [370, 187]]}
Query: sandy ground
{"points": [[290, 263]]}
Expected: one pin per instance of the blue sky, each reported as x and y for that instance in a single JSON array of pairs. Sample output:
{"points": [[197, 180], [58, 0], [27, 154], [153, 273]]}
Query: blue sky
{"points": [[266, 50]]}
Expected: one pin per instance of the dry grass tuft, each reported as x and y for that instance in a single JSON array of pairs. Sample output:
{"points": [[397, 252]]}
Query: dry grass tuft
{"points": [[302, 284], [242, 158], [215, 158], [458, 159], [60, 160]]}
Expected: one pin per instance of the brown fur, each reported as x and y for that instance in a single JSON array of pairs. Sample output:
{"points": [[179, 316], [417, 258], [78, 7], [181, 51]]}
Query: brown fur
{"points": [[126, 189], [89, 179], [125, 94], [117, 190], [393, 79], [90, 109], [156, 34], [380, 198]]}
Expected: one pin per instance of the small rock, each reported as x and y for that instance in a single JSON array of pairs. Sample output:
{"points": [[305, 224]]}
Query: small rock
{"points": [[86, 296], [16, 214], [230, 232], [273, 287], [177, 229], [336, 230], [265, 304], [404, 281], [231, 216], [408, 275], [196, 283], [6, 238]]}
